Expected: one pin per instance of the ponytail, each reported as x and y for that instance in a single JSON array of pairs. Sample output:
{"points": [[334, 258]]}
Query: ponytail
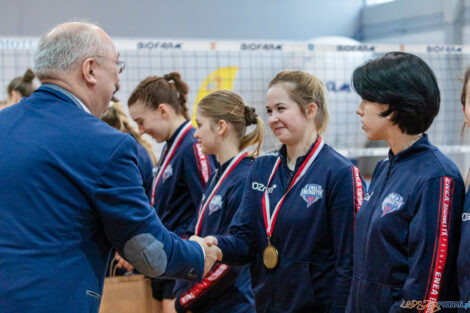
{"points": [[254, 137]]}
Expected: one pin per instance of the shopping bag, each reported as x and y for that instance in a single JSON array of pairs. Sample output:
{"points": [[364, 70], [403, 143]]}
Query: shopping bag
{"points": [[126, 294]]}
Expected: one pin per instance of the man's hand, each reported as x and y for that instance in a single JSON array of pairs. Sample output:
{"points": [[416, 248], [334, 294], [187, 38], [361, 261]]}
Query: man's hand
{"points": [[211, 241], [122, 263], [213, 253]]}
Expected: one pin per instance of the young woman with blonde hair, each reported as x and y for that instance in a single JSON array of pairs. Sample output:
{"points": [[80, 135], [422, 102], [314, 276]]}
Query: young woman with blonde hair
{"points": [[223, 119], [296, 220]]}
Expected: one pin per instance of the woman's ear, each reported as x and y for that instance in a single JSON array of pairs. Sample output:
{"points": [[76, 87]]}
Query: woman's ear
{"points": [[311, 110], [164, 110], [222, 127]]}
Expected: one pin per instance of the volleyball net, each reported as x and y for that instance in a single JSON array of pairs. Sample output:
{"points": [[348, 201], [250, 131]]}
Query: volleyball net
{"points": [[247, 68]]}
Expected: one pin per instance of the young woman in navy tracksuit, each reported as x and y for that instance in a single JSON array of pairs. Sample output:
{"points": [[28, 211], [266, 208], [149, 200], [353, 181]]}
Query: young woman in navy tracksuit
{"points": [[158, 105], [463, 261], [406, 235], [296, 220], [222, 119]]}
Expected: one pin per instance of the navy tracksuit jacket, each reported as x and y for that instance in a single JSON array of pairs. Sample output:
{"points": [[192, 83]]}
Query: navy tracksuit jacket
{"points": [[406, 234], [180, 189], [463, 261], [225, 288], [314, 236]]}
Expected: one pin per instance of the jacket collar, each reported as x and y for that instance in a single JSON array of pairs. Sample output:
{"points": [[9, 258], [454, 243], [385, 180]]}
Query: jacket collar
{"points": [[63, 94], [169, 142], [419, 146], [298, 162]]}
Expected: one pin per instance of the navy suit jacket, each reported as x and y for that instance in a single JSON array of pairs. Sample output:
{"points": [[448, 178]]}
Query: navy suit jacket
{"points": [[70, 190]]}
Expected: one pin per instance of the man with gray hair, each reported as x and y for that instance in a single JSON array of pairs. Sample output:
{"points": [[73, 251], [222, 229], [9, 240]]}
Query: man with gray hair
{"points": [[70, 188]]}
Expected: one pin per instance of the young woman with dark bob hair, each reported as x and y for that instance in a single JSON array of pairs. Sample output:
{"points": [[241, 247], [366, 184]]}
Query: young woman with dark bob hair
{"points": [[406, 233]]}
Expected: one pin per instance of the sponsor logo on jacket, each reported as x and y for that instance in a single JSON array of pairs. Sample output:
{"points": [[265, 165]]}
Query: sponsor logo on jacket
{"points": [[260, 187], [368, 196], [311, 193], [391, 203], [216, 204], [465, 217]]}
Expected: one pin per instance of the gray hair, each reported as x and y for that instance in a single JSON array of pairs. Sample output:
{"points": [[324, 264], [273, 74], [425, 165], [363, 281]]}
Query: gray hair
{"points": [[64, 46]]}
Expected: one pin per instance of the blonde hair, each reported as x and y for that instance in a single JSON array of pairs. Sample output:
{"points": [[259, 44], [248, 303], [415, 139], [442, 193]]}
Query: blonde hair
{"points": [[229, 106], [116, 118], [304, 88]]}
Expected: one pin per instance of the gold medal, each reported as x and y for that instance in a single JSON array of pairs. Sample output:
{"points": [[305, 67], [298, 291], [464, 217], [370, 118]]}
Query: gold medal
{"points": [[270, 256]]}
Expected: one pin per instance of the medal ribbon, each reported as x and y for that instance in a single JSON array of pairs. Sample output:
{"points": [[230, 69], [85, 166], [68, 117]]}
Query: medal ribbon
{"points": [[168, 158], [205, 203], [270, 221]]}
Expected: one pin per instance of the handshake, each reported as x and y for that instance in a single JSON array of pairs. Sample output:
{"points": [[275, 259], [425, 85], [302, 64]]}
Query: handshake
{"points": [[209, 244], [213, 253]]}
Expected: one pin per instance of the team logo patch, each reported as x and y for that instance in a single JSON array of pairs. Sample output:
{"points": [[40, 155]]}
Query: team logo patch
{"points": [[311, 193], [391, 203], [216, 204], [465, 217], [168, 172]]}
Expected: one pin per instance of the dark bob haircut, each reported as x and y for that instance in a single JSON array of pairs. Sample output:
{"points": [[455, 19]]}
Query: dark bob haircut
{"points": [[404, 82]]}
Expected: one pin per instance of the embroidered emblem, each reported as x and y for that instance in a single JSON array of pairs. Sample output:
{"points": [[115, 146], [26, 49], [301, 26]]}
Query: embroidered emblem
{"points": [[311, 193], [391, 203], [216, 204]]}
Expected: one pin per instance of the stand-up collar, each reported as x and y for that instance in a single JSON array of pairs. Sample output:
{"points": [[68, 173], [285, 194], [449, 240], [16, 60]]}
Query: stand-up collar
{"points": [[283, 153], [169, 142], [419, 146]]}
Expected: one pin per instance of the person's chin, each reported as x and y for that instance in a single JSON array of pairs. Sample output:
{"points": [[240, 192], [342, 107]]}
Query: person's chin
{"points": [[371, 136], [157, 139], [283, 138]]}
